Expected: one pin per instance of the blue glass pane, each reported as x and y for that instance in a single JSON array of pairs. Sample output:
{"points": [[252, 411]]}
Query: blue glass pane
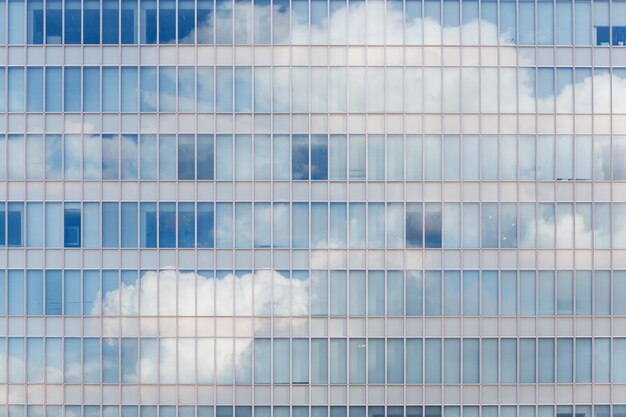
{"points": [[54, 22], [54, 291], [186, 21], [72, 21], [91, 22], [35, 22], [110, 21]]}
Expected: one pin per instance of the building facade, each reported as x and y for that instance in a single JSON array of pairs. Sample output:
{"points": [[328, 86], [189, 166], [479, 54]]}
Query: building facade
{"points": [[313, 208]]}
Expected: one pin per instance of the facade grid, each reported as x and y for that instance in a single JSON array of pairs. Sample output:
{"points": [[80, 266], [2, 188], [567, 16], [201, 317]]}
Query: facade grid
{"points": [[312, 208]]}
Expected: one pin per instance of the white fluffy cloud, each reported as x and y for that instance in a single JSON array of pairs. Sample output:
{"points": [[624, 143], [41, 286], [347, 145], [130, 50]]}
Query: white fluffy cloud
{"points": [[172, 293]]}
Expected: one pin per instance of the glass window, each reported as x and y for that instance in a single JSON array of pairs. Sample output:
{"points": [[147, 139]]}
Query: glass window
{"points": [[71, 292], [414, 363], [186, 157], [34, 293], [167, 225], [130, 88], [357, 225], [148, 157], [167, 86], [376, 157], [432, 221], [338, 225], [452, 225], [54, 19], [281, 157], [619, 360], [357, 157], [186, 89], [16, 368], [224, 89], [110, 157], [54, 221], [15, 224], [395, 293], [564, 360], [15, 86], [129, 225], [489, 361], [91, 225], [357, 296], [110, 21], [508, 370], [205, 225], [205, 89], [72, 225], [15, 293], [376, 293], [395, 157], [338, 360], [262, 361], [54, 92], [243, 89], [110, 225], [91, 22], [583, 293], [148, 19], [319, 157], [204, 22], [433, 293], [545, 22], [452, 157], [545, 354], [205, 157], [35, 369], [432, 361], [72, 156], [601, 292], [3, 87], [471, 225], [319, 222], [110, 85], [35, 22], [16, 22], [452, 355], [490, 293], [490, 225], [508, 294], [471, 361], [565, 293], [432, 164], [300, 157], [262, 157], [414, 290], [452, 293], [167, 157], [281, 225], [527, 358], [376, 361], [300, 225], [471, 293], [563, 22], [376, 225], [34, 85], [129, 156], [186, 21], [16, 157], [34, 220], [262, 89], [148, 86], [243, 225]]}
